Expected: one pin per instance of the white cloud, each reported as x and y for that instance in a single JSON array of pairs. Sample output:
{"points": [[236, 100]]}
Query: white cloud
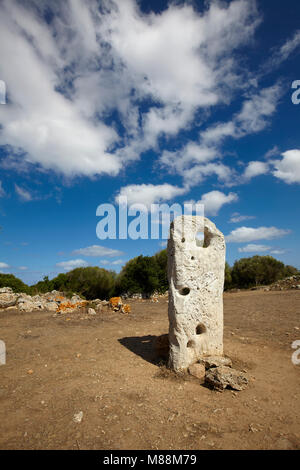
{"points": [[288, 169], [214, 201], [2, 92], [290, 45], [97, 250], [2, 192], [255, 168], [255, 111], [218, 132], [67, 75], [253, 117], [278, 252], [198, 173], [22, 268], [41, 122], [197, 161], [283, 53], [116, 262], [23, 193], [274, 151], [71, 264], [252, 248], [249, 234], [192, 153], [148, 194], [237, 218], [4, 266]]}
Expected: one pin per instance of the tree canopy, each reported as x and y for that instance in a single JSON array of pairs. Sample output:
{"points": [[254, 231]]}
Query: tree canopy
{"points": [[147, 274], [259, 270]]}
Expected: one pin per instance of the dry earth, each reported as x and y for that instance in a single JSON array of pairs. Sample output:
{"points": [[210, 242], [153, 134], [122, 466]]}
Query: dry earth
{"points": [[104, 366]]}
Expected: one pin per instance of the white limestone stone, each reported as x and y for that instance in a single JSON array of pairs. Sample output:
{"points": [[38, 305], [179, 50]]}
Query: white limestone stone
{"points": [[196, 282]]}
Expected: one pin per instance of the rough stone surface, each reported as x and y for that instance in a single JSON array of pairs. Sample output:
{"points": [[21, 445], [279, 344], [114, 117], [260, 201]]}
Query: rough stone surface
{"points": [[8, 297], [196, 279], [7, 303], [198, 371], [51, 306], [222, 377], [6, 290], [216, 361], [26, 306]]}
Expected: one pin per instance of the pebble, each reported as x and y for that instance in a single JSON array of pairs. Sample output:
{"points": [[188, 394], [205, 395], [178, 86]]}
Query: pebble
{"points": [[77, 418]]}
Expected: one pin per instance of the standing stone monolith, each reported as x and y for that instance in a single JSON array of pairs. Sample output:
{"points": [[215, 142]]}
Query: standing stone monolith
{"points": [[196, 282]]}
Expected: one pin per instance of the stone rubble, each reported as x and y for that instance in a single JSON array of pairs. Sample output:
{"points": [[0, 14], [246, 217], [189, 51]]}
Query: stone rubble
{"points": [[51, 301], [292, 282]]}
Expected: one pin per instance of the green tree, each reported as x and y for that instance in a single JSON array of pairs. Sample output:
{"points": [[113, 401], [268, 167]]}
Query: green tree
{"points": [[60, 282], [228, 277], [161, 259], [44, 286], [139, 275], [9, 280], [258, 270], [91, 282]]}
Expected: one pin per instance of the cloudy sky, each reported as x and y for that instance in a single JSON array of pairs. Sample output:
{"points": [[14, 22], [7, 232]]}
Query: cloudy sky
{"points": [[154, 100]]}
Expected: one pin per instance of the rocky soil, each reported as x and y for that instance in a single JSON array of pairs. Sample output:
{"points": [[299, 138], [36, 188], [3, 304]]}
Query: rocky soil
{"points": [[80, 381]]}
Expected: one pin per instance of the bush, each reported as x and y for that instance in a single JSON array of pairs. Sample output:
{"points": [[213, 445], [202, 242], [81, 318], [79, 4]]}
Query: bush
{"points": [[258, 270], [91, 282], [228, 277], [161, 259], [9, 280], [141, 275]]}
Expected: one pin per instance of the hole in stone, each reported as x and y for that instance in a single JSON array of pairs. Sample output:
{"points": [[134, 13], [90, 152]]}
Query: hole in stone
{"points": [[191, 343], [200, 239], [200, 329], [193, 258], [185, 291], [183, 240], [203, 239], [208, 236]]}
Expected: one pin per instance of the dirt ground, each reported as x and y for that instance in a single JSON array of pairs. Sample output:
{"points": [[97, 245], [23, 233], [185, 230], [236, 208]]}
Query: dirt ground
{"points": [[104, 367]]}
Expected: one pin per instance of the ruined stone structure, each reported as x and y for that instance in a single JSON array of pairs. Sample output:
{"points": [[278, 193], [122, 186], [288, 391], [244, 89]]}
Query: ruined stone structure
{"points": [[196, 281]]}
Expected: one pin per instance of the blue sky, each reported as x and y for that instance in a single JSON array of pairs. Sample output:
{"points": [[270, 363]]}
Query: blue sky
{"points": [[158, 101]]}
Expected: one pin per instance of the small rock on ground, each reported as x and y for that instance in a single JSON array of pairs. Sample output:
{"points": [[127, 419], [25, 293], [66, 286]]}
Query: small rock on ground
{"points": [[77, 418], [222, 377], [216, 361], [198, 371]]}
